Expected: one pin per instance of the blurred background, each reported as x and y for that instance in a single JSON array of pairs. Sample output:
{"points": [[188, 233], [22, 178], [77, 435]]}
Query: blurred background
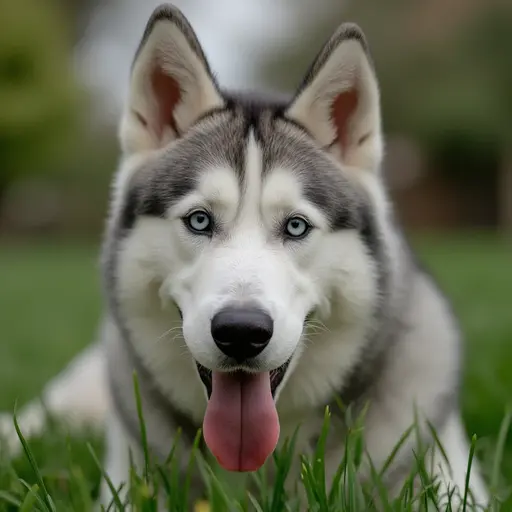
{"points": [[445, 68]]}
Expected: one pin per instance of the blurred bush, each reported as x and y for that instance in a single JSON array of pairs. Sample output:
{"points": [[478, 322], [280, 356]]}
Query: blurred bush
{"points": [[453, 93], [445, 71], [39, 100]]}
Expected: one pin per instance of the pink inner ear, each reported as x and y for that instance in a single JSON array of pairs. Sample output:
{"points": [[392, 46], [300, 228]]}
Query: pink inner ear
{"points": [[168, 94], [343, 109]]}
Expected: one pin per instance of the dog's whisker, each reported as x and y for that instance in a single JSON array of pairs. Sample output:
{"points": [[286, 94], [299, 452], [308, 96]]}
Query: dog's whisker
{"points": [[169, 331], [178, 337], [316, 326]]}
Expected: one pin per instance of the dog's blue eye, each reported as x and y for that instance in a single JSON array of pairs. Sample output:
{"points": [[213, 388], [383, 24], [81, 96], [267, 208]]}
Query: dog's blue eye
{"points": [[297, 227], [199, 222]]}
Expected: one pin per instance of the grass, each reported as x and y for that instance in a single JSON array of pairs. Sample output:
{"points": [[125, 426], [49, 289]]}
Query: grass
{"points": [[49, 306]]}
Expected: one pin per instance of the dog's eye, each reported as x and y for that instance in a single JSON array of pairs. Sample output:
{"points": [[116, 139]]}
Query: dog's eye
{"points": [[297, 227], [199, 222]]}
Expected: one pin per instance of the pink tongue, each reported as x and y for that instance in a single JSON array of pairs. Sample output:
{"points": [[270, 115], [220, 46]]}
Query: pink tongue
{"points": [[241, 426]]}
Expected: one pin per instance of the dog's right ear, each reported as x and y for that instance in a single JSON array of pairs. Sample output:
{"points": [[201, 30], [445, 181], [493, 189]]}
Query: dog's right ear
{"points": [[171, 84]]}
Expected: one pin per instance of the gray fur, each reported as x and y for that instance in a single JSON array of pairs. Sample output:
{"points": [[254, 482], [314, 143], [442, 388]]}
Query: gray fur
{"points": [[169, 13], [220, 137], [408, 342], [345, 32]]}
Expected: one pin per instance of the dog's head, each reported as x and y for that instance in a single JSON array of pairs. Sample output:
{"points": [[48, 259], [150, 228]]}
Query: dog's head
{"points": [[236, 219]]}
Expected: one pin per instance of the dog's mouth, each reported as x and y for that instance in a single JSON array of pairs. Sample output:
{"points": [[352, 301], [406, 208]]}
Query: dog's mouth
{"points": [[241, 425], [276, 376]]}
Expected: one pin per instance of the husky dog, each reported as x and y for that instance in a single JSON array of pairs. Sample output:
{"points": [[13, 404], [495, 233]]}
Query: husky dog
{"points": [[254, 272]]}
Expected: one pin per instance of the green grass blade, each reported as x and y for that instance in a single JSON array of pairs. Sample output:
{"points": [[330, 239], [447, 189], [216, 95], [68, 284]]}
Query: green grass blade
{"points": [[381, 489], [9, 498], [389, 460], [334, 493], [353, 488], [165, 481], [449, 496], [428, 493], [260, 478], [142, 424], [468, 472], [79, 492], [319, 464], [34, 495], [39, 479], [283, 461], [500, 449], [79, 488], [30, 499], [254, 503], [218, 499], [308, 482], [113, 490], [439, 444], [190, 469], [174, 447]]}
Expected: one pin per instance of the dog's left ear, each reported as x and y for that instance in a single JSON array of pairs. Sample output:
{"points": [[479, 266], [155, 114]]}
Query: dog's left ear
{"points": [[338, 101]]}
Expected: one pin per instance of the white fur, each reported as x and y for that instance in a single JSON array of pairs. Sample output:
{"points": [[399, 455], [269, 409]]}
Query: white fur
{"points": [[168, 48], [162, 265], [117, 460], [77, 396], [346, 69], [453, 475]]}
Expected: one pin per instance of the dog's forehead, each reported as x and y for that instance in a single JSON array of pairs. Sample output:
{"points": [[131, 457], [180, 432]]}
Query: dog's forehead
{"points": [[248, 144], [290, 155]]}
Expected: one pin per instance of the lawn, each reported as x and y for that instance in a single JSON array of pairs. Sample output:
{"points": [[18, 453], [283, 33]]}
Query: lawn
{"points": [[49, 305]]}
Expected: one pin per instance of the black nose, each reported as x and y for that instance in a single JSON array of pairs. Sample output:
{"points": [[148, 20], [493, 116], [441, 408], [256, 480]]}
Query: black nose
{"points": [[242, 332]]}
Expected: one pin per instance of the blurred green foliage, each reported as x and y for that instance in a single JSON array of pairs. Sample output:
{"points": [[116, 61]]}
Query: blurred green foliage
{"points": [[455, 97], [447, 85], [452, 94], [38, 96]]}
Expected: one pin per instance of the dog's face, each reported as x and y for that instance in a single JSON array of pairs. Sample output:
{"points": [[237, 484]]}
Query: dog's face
{"points": [[245, 217]]}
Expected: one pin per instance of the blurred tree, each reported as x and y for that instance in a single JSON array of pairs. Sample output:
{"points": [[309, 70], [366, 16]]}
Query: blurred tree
{"points": [[78, 13], [454, 93], [38, 97], [445, 71]]}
